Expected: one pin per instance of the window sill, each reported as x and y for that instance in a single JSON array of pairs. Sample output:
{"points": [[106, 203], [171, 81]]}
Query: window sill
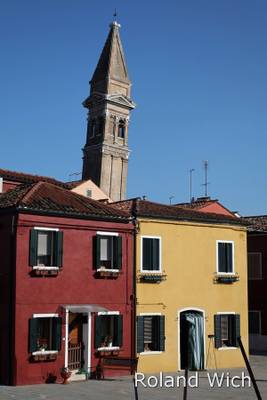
{"points": [[227, 348], [111, 348], [147, 353], [107, 351], [226, 278], [44, 355], [108, 273], [44, 270], [151, 277]]}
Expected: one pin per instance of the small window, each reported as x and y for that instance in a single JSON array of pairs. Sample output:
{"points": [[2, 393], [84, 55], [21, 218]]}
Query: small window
{"points": [[225, 257], [108, 252], [255, 322], [88, 193], [150, 333], [92, 128], [151, 254], [121, 129], [254, 266], [45, 334], [46, 248], [108, 331], [227, 330]]}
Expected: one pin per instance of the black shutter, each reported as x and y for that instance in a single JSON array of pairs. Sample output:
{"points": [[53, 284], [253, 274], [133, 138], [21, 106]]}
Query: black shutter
{"points": [[217, 331], [118, 242], [236, 330], [58, 249], [33, 334], [155, 254], [162, 333], [99, 330], [33, 247], [222, 257], [140, 334], [229, 257], [56, 333], [118, 330], [96, 252], [147, 249]]}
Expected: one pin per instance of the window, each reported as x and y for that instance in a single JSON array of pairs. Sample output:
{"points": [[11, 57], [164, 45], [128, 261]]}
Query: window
{"points": [[254, 322], [88, 193], [108, 251], [254, 266], [150, 333], [225, 257], [101, 126], [108, 331], [227, 330], [121, 129], [46, 247], [45, 333], [151, 254]]}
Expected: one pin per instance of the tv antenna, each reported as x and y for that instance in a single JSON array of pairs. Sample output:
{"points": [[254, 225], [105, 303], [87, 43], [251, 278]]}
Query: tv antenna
{"points": [[206, 183], [191, 184]]}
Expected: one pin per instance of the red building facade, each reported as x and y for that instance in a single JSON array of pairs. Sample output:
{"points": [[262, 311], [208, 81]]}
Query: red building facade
{"points": [[66, 295]]}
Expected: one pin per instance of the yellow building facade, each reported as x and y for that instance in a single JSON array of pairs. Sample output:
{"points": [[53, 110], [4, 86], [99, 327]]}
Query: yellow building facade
{"points": [[189, 280]]}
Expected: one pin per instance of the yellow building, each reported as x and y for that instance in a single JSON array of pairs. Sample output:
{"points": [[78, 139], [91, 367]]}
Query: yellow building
{"points": [[191, 290]]}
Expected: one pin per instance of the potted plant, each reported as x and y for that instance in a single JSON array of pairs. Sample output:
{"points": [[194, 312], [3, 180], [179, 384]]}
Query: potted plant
{"points": [[65, 373]]}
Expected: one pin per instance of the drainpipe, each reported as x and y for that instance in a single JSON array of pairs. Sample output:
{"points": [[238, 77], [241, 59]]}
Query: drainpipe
{"points": [[134, 354], [12, 296]]}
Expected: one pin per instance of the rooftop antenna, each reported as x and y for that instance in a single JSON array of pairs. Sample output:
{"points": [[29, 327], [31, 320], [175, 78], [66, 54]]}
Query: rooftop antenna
{"points": [[191, 184], [115, 15], [74, 174], [170, 198], [206, 183]]}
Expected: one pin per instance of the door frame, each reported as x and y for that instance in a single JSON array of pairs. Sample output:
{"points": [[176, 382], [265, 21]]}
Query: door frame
{"points": [[200, 310], [87, 340]]}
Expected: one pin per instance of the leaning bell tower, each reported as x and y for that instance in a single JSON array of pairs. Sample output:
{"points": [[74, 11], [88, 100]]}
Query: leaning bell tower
{"points": [[106, 152]]}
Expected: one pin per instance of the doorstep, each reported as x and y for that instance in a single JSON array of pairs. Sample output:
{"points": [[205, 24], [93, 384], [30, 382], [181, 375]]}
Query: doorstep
{"points": [[75, 377]]}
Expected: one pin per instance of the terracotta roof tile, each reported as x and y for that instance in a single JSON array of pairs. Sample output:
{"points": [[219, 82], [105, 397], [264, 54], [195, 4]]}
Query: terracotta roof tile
{"points": [[49, 198], [257, 223], [145, 208], [22, 177]]}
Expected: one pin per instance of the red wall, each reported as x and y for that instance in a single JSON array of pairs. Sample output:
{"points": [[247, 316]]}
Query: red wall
{"points": [[215, 208], [257, 288], [75, 284]]}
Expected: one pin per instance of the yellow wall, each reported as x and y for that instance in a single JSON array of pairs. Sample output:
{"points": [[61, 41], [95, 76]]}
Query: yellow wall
{"points": [[189, 261]]}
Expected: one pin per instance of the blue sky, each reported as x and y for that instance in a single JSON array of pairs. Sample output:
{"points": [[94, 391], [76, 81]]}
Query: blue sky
{"points": [[198, 69]]}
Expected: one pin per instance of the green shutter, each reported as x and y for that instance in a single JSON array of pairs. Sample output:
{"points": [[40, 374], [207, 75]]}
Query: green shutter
{"points": [[119, 331], [58, 249], [56, 333], [118, 259], [155, 254], [147, 248], [33, 334], [236, 329], [33, 247], [162, 333], [96, 252], [217, 331], [140, 334], [99, 331]]}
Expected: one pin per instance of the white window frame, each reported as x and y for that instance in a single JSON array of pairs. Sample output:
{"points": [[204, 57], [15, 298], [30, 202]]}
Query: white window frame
{"points": [[102, 233], [146, 353], [1, 184], [40, 352], [260, 314], [217, 257], [261, 269], [159, 271], [227, 313], [44, 267], [111, 348]]}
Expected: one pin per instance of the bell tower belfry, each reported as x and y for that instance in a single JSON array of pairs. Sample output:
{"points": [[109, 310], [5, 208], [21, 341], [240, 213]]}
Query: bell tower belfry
{"points": [[106, 151]]}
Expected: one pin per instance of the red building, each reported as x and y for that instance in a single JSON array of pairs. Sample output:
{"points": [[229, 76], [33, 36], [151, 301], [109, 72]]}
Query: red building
{"points": [[207, 205], [66, 276], [257, 278]]}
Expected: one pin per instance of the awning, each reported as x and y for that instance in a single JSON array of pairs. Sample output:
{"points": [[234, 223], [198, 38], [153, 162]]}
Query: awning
{"points": [[83, 308]]}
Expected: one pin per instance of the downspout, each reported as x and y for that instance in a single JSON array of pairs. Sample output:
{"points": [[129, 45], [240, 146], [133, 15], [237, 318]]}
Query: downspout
{"points": [[135, 231], [12, 301]]}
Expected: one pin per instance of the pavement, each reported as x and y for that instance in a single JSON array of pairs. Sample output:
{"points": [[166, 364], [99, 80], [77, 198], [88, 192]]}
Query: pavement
{"points": [[123, 388]]}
